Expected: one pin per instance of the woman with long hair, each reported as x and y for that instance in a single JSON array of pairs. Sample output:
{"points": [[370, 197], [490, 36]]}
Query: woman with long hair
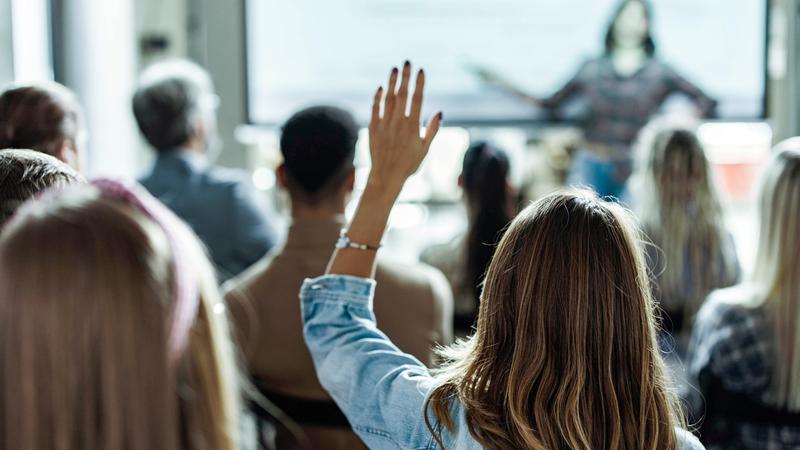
{"points": [[490, 204], [564, 355], [45, 117], [744, 353], [623, 88], [679, 207], [113, 331]]}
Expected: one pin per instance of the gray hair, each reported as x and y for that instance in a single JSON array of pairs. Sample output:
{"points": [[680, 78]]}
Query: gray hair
{"points": [[169, 101], [26, 173]]}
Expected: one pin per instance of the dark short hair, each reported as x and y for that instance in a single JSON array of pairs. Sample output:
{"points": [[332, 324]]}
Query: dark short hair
{"points": [[318, 145], [38, 117], [167, 102], [25, 173], [648, 42]]}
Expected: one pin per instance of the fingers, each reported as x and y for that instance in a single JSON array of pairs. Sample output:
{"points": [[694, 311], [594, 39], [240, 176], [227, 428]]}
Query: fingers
{"points": [[416, 100], [391, 95], [433, 128], [376, 108], [402, 93]]}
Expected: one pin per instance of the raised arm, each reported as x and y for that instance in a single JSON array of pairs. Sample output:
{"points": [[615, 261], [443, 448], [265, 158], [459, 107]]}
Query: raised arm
{"points": [[380, 389], [396, 150], [490, 77]]}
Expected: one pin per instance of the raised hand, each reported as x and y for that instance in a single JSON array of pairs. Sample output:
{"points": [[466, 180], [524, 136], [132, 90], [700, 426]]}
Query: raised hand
{"points": [[396, 146], [397, 150]]}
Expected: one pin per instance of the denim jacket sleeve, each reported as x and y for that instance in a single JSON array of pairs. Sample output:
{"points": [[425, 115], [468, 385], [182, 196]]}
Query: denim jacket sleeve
{"points": [[380, 389]]}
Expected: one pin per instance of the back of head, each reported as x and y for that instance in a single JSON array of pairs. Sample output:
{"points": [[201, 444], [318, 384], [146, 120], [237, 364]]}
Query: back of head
{"points": [[777, 267], [565, 353], [681, 211], [318, 145], [26, 173], [39, 117], [171, 99], [89, 306], [485, 176]]}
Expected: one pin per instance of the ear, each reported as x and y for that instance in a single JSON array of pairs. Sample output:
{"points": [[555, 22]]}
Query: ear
{"points": [[512, 194], [68, 154], [350, 181], [461, 181], [280, 175], [198, 130]]}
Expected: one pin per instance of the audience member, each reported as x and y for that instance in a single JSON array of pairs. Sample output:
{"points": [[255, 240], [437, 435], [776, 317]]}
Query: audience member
{"points": [[175, 108], [44, 117], [679, 207], [113, 331], [26, 173], [490, 204], [413, 303], [565, 352], [744, 354]]}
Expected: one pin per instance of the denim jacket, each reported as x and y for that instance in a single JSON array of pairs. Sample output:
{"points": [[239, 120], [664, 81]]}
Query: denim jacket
{"points": [[380, 389]]}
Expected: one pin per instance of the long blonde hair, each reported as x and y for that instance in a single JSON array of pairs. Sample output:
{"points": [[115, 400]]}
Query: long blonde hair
{"points": [[681, 212], [94, 355], [776, 275], [565, 354]]}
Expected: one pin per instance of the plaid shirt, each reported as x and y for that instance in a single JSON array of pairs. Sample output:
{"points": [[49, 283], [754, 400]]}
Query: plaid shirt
{"points": [[732, 344], [619, 106]]}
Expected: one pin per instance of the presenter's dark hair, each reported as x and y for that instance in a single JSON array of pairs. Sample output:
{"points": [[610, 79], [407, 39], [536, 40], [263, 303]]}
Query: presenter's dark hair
{"points": [[648, 42]]}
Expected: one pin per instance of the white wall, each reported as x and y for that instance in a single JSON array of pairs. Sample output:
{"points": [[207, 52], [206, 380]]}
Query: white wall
{"points": [[100, 64], [208, 32], [217, 42], [6, 47], [784, 69]]}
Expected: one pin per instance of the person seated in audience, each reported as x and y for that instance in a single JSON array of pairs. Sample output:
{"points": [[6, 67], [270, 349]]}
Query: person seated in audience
{"points": [[44, 117], [26, 173], [413, 304], [744, 354], [113, 329], [565, 352], [680, 210], [491, 204], [175, 108]]}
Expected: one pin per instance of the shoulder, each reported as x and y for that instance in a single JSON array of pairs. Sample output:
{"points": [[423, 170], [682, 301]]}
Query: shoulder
{"points": [[249, 282], [225, 178], [444, 256], [414, 281], [594, 65], [663, 69], [727, 307], [687, 441]]}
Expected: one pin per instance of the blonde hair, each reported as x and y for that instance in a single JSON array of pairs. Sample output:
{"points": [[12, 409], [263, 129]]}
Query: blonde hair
{"points": [[681, 212], [777, 270], [565, 353], [88, 303]]}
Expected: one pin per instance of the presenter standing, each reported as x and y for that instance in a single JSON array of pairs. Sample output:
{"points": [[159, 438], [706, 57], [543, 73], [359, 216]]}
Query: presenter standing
{"points": [[623, 89]]}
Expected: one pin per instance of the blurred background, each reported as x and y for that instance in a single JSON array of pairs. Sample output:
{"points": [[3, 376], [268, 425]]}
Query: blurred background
{"points": [[269, 58]]}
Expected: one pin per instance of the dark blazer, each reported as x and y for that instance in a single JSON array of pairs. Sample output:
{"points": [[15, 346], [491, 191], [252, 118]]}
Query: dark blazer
{"points": [[219, 206]]}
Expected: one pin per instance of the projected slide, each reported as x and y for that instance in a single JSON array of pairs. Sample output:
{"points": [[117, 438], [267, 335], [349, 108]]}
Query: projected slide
{"points": [[303, 52]]}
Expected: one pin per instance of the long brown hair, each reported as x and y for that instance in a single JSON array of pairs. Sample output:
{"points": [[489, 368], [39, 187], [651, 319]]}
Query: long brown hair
{"points": [[565, 353], [777, 270], [89, 308], [681, 212]]}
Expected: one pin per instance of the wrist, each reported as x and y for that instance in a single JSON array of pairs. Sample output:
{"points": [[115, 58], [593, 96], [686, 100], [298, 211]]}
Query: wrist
{"points": [[384, 187]]}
